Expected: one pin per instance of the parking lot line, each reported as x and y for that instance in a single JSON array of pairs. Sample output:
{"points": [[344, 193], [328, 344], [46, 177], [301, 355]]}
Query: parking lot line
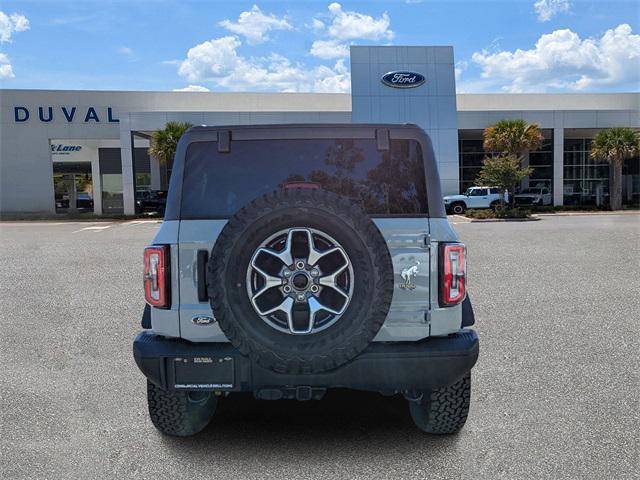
{"points": [[94, 228]]}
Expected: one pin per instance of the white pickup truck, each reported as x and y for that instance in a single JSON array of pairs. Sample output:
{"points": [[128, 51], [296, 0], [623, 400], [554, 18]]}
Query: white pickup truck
{"points": [[474, 197], [533, 196]]}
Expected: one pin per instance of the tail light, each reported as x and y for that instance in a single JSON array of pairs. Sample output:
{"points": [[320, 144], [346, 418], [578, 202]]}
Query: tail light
{"points": [[157, 280], [453, 273]]}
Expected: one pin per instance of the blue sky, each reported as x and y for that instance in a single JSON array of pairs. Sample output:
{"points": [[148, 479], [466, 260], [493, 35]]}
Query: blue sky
{"points": [[500, 46]]}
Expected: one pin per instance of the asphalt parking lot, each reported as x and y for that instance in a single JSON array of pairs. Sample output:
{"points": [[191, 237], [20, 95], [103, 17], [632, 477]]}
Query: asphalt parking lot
{"points": [[555, 392]]}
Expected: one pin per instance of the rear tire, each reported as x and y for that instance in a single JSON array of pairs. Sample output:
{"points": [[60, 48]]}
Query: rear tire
{"points": [[444, 410], [180, 414], [458, 208]]}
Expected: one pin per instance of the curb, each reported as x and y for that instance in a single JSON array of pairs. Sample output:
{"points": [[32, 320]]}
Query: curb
{"points": [[493, 220], [571, 214]]}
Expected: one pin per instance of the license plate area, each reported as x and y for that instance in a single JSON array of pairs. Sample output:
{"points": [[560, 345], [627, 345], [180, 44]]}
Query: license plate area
{"points": [[203, 373]]}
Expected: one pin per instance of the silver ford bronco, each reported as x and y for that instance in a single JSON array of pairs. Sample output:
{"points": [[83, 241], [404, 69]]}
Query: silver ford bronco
{"points": [[297, 258]]}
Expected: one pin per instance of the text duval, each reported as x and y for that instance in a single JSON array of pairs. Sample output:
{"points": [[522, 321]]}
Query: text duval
{"points": [[47, 114]]}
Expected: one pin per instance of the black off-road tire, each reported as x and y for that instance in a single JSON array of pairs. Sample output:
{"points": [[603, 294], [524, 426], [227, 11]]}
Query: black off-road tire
{"points": [[180, 414], [338, 217], [444, 410], [458, 208]]}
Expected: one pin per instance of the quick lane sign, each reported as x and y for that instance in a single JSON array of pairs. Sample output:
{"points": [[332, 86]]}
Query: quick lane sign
{"points": [[47, 114], [402, 79], [61, 149]]}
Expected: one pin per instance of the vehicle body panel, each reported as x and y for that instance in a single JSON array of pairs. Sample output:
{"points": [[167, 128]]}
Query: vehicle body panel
{"points": [[412, 242]]}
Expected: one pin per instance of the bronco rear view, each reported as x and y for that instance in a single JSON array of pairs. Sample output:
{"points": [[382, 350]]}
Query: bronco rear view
{"points": [[298, 258]]}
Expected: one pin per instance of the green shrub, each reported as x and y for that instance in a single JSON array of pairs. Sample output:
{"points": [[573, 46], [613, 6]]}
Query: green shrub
{"points": [[498, 213], [486, 213], [515, 213]]}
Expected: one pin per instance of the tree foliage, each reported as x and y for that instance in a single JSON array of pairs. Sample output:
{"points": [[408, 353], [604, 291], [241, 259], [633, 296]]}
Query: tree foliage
{"points": [[164, 142], [512, 137], [504, 172], [614, 146]]}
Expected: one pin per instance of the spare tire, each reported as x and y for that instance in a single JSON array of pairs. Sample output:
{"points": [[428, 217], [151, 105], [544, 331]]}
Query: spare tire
{"points": [[300, 280]]}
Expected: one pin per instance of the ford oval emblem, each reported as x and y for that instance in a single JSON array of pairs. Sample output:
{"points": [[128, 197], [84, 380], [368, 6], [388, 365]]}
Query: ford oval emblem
{"points": [[403, 79], [203, 319]]}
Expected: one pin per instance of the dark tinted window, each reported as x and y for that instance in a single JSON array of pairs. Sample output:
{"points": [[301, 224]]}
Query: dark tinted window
{"points": [[494, 191], [383, 182]]}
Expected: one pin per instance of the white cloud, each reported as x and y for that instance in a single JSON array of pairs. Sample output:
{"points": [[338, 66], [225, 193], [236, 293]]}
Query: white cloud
{"points": [[192, 88], [327, 49], [460, 67], [218, 61], [346, 25], [210, 59], [6, 70], [561, 60], [125, 51], [10, 24], [254, 25], [547, 9]]}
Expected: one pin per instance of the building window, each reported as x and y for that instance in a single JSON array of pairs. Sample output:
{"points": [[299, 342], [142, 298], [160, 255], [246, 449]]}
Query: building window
{"points": [[541, 161], [142, 166], [471, 157], [111, 179], [586, 181]]}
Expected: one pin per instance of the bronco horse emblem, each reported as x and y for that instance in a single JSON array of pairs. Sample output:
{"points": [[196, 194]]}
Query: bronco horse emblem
{"points": [[407, 274]]}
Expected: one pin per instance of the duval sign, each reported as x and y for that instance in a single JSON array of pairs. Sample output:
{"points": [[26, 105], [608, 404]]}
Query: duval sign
{"points": [[66, 113], [402, 79]]}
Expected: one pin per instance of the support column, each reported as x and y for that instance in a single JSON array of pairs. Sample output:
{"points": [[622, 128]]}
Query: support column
{"points": [[558, 166], [126, 158], [96, 184]]}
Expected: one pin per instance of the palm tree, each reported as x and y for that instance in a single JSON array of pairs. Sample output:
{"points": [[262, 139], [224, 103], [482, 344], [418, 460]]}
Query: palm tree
{"points": [[514, 139], [164, 142], [614, 146]]}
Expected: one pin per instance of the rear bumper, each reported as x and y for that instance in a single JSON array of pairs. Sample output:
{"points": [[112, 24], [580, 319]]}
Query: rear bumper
{"points": [[176, 364]]}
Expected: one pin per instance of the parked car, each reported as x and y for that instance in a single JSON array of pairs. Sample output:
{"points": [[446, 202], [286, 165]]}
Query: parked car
{"points": [[151, 201], [350, 279], [533, 196], [473, 197], [84, 201]]}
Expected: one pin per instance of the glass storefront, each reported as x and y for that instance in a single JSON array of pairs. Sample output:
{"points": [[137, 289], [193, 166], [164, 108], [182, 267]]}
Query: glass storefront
{"points": [[472, 155], [586, 181]]}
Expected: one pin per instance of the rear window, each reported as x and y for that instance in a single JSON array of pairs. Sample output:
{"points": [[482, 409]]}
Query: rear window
{"points": [[390, 182]]}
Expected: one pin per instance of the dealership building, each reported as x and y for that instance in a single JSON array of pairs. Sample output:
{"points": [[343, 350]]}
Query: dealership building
{"points": [[67, 151]]}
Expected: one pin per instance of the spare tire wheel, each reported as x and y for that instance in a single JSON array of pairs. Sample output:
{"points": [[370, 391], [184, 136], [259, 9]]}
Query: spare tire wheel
{"points": [[300, 280]]}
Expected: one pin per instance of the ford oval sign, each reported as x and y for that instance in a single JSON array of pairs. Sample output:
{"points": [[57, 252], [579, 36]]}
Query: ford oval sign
{"points": [[403, 79]]}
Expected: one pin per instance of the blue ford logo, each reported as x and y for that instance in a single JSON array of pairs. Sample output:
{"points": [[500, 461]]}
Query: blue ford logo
{"points": [[203, 319], [403, 79]]}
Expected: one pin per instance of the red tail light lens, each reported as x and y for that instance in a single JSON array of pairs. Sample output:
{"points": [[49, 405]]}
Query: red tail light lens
{"points": [[157, 276], [453, 273]]}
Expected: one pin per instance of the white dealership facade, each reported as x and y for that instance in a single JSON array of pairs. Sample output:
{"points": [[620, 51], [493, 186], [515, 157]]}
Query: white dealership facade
{"points": [[96, 141]]}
